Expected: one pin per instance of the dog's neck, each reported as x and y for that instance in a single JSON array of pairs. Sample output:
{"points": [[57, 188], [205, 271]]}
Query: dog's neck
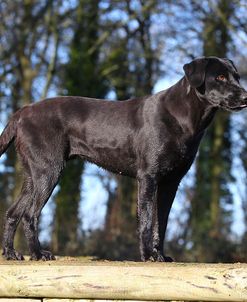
{"points": [[192, 111]]}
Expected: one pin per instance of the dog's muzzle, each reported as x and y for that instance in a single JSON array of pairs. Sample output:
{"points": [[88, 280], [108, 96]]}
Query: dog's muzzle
{"points": [[242, 101]]}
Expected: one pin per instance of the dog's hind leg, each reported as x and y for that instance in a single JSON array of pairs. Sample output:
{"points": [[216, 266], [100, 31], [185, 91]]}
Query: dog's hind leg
{"points": [[43, 184], [13, 217]]}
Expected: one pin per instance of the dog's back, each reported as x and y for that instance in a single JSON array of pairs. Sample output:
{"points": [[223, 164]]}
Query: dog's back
{"points": [[99, 131]]}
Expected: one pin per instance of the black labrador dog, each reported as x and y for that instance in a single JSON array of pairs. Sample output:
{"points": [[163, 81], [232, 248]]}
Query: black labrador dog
{"points": [[153, 138]]}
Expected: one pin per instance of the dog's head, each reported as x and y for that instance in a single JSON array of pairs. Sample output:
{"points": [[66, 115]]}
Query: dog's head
{"points": [[217, 80]]}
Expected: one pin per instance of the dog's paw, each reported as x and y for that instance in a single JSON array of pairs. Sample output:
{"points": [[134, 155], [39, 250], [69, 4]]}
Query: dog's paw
{"points": [[12, 254], [158, 257], [42, 255], [168, 259]]}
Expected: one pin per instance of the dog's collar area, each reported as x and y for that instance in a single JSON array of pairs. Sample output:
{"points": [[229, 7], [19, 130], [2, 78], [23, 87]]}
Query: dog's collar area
{"points": [[201, 96]]}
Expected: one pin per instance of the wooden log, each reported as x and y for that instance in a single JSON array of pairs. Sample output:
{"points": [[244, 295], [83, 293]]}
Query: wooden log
{"points": [[124, 281], [23, 300], [90, 300]]}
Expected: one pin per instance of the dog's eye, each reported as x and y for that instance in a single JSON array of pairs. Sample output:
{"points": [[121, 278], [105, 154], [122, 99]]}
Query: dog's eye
{"points": [[221, 78]]}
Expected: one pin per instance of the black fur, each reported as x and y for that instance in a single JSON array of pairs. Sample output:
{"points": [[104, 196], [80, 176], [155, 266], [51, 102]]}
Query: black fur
{"points": [[154, 139]]}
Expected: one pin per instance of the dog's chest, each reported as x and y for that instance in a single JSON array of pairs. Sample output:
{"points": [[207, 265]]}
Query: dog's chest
{"points": [[176, 157]]}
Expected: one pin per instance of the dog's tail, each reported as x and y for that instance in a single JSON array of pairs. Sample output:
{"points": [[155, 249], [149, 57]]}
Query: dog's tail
{"points": [[9, 133]]}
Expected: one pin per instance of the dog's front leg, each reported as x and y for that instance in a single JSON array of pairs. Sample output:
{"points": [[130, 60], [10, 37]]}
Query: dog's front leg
{"points": [[165, 196], [147, 217]]}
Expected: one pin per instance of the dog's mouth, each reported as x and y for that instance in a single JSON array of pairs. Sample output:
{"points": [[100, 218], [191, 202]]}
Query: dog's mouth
{"points": [[237, 108]]}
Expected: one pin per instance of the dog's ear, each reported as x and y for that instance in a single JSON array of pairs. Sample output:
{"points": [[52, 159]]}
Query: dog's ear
{"points": [[232, 66], [195, 71], [235, 68]]}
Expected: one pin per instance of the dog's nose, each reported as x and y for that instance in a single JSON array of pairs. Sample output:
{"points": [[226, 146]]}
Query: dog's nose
{"points": [[244, 97]]}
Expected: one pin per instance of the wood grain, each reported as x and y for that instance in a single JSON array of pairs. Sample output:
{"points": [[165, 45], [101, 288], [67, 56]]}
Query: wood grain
{"points": [[123, 280]]}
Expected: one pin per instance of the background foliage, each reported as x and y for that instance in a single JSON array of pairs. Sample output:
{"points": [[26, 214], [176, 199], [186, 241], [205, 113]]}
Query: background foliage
{"points": [[122, 49]]}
